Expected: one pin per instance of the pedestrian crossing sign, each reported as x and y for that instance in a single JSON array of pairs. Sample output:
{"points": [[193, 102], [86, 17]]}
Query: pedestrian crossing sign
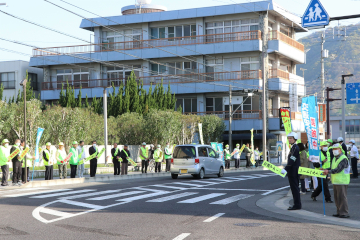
{"points": [[315, 15]]}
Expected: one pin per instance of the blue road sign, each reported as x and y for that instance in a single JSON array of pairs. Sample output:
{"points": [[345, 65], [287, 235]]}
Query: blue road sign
{"points": [[352, 93], [315, 15]]}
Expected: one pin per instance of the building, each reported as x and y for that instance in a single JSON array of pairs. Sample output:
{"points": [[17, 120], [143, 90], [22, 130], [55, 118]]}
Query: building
{"points": [[13, 72], [200, 52], [352, 128]]}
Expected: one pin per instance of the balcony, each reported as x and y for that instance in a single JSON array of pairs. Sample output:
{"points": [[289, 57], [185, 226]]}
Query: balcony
{"points": [[153, 43], [276, 35], [198, 77], [8, 84], [278, 73]]}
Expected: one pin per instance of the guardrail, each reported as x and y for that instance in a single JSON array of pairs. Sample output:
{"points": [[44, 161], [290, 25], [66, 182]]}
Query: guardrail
{"points": [[278, 73], [276, 35]]}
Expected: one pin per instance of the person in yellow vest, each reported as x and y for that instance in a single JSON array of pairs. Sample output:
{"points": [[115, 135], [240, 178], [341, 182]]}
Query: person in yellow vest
{"points": [[144, 156], [16, 164], [29, 163], [167, 155], [81, 151], [325, 165], [158, 156], [4, 154], [60, 157], [74, 159], [115, 155], [340, 178], [248, 155], [124, 155], [237, 156], [227, 155], [49, 161]]}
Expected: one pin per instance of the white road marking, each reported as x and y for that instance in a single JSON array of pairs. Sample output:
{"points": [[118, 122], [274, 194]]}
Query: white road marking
{"points": [[176, 196], [200, 181], [227, 189], [202, 198], [232, 199], [34, 193], [147, 189], [182, 236], [130, 199], [232, 178], [115, 195], [55, 212], [63, 193], [271, 191], [90, 194], [81, 204], [188, 184], [165, 186], [214, 217], [221, 180], [21, 190]]}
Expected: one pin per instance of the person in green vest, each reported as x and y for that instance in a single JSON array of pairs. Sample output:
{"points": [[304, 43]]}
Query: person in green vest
{"points": [[74, 159], [227, 155], [16, 164], [325, 164], [115, 155], [60, 157], [168, 155], [4, 154], [237, 156], [29, 163], [158, 156], [124, 155], [248, 155], [340, 178], [81, 152], [144, 156], [49, 160]]}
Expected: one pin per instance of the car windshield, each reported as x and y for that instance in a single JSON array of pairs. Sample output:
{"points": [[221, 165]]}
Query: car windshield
{"points": [[184, 152]]}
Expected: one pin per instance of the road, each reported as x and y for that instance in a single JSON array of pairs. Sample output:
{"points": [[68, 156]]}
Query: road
{"points": [[158, 208]]}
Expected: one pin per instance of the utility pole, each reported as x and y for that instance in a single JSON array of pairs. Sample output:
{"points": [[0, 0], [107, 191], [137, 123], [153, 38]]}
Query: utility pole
{"points": [[322, 68], [264, 109], [230, 118], [23, 84], [328, 100], [343, 102], [303, 70]]}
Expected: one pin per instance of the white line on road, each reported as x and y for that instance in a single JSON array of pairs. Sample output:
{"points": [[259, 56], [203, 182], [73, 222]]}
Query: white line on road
{"points": [[115, 195], [214, 217], [271, 191], [232, 199], [164, 186], [34, 193], [55, 212], [130, 199], [226, 189], [63, 193], [81, 204], [201, 181], [221, 180], [90, 194], [176, 196], [182, 236], [188, 184], [202, 198], [147, 189]]}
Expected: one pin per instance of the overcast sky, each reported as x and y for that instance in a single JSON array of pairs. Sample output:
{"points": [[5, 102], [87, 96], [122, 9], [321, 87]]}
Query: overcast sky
{"points": [[46, 14]]}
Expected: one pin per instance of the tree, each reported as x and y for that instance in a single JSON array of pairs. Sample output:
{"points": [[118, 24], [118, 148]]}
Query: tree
{"points": [[86, 102], [1, 91], [79, 101], [132, 128], [213, 128]]}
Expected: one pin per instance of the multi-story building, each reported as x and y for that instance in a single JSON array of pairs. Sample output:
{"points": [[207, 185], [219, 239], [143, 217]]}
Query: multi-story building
{"points": [[13, 72], [200, 52], [352, 128]]}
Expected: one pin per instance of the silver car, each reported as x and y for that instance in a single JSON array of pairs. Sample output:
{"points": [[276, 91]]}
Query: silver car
{"points": [[196, 160]]}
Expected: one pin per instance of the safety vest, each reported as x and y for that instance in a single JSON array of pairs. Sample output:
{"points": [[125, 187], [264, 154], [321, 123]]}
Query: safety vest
{"points": [[343, 177], [167, 150], [158, 155], [47, 163], [227, 154], [74, 157], [322, 159], [3, 156], [327, 164], [62, 156], [144, 152], [16, 148]]}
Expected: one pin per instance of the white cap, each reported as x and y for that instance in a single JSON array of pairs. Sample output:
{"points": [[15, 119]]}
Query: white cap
{"points": [[340, 139], [352, 141], [293, 134], [336, 145], [159, 146], [152, 145], [144, 143]]}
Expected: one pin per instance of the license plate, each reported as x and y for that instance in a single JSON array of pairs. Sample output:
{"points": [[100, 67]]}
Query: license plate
{"points": [[183, 170]]}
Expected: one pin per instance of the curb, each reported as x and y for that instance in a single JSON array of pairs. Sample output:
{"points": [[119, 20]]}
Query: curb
{"points": [[278, 203]]}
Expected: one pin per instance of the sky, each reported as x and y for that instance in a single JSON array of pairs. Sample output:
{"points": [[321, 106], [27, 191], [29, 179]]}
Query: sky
{"points": [[44, 13]]}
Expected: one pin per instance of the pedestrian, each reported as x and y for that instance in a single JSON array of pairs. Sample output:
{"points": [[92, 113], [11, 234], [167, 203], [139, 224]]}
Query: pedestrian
{"points": [[124, 155], [158, 156], [304, 161], [144, 157], [325, 165], [292, 168], [340, 178], [60, 156], [74, 159], [257, 156], [151, 151], [354, 156], [93, 162], [115, 155], [237, 156], [49, 161], [248, 155], [4, 154], [81, 152], [227, 156], [168, 155], [29, 163], [343, 146], [16, 164]]}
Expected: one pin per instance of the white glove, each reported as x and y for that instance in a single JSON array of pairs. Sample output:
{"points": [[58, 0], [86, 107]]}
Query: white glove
{"points": [[283, 171]]}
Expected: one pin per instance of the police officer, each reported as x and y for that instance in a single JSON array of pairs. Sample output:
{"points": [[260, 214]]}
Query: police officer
{"points": [[227, 156], [292, 167], [115, 154], [16, 163]]}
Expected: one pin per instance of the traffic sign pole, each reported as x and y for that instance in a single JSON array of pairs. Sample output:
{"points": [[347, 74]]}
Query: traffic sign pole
{"points": [[343, 102]]}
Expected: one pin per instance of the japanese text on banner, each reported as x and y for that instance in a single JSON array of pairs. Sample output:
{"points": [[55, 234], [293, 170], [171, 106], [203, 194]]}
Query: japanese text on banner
{"points": [[285, 116]]}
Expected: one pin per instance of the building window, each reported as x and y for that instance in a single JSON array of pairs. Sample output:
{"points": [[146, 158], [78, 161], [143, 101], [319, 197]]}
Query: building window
{"points": [[188, 105], [33, 81], [174, 68], [7, 80], [173, 31], [121, 73], [351, 126], [249, 63], [231, 27], [284, 103], [214, 104], [72, 76], [247, 104], [125, 39]]}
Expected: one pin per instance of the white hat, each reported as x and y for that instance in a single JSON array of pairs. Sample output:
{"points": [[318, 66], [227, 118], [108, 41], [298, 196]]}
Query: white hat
{"points": [[352, 141], [152, 145], [340, 139], [144, 143], [159, 146], [293, 134], [337, 145]]}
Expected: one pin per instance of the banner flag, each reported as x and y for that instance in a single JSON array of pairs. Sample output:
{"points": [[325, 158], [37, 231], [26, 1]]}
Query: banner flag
{"points": [[311, 172], [22, 155], [274, 168], [214, 145], [252, 159], [201, 134], [221, 152], [285, 116], [38, 136]]}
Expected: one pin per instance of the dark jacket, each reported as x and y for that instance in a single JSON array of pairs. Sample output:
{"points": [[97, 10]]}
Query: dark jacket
{"points": [[151, 153], [92, 151], [293, 162], [247, 151], [45, 157], [14, 159], [124, 156], [115, 156], [343, 145]]}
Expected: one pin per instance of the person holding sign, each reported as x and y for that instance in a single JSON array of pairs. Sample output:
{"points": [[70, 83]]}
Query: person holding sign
{"points": [[158, 156], [292, 168], [93, 162], [304, 161], [4, 154], [248, 155], [340, 178], [81, 165], [115, 155], [29, 162], [227, 156], [144, 156], [237, 155], [168, 154], [124, 155], [60, 157], [16, 164], [49, 160], [74, 159]]}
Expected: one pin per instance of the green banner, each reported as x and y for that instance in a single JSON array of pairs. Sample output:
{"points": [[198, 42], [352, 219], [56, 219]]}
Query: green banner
{"points": [[97, 154], [285, 116], [13, 154], [311, 172], [214, 146], [252, 159], [273, 168], [22, 155]]}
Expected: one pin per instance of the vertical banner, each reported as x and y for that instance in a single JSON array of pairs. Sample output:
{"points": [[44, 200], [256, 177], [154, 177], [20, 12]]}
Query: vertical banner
{"points": [[221, 151], [252, 159], [201, 134], [285, 116], [310, 118], [214, 145], [38, 136]]}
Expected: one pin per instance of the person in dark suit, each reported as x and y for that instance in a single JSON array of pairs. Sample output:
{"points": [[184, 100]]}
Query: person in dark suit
{"points": [[343, 146], [93, 162], [124, 155], [115, 154]]}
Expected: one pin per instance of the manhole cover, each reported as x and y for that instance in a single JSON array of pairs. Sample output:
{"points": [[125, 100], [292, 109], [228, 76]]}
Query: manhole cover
{"points": [[250, 224]]}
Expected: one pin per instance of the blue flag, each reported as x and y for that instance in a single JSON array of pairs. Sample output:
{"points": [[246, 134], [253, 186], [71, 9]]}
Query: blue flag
{"points": [[38, 136], [220, 149], [310, 118]]}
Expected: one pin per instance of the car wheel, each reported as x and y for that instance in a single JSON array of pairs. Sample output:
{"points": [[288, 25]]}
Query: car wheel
{"points": [[221, 172], [201, 174], [174, 176], [194, 175]]}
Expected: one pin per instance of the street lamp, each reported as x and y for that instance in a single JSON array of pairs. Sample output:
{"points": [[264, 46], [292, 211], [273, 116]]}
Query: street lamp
{"points": [[23, 84]]}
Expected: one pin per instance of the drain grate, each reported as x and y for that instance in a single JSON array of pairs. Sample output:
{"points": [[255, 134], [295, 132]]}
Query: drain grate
{"points": [[250, 224]]}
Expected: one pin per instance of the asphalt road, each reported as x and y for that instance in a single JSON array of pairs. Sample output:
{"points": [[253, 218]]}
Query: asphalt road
{"points": [[158, 208]]}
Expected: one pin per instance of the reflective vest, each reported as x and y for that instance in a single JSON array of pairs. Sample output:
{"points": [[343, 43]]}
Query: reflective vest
{"points": [[3, 156], [167, 150], [47, 163], [227, 154], [29, 161], [60, 156], [343, 177], [115, 153], [322, 159], [144, 152], [16, 148], [74, 157], [158, 155]]}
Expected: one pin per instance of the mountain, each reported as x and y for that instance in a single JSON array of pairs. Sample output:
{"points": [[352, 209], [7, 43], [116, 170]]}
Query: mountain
{"points": [[344, 58]]}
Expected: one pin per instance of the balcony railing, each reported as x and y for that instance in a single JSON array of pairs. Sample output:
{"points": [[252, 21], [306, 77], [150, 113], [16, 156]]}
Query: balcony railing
{"points": [[238, 115], [8, 84], [276, 35], [140, 44], [278, 73], [167, 79]]}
